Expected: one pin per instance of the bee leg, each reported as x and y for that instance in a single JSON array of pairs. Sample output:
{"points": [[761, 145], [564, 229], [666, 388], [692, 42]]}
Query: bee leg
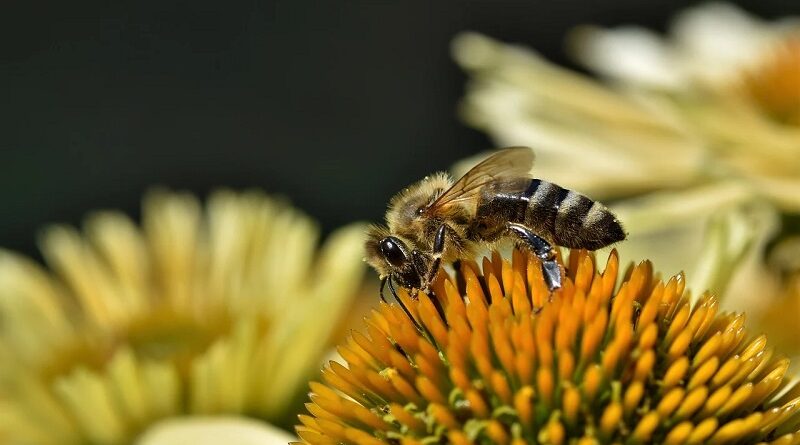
{"points": [[552, 274], [551, 271], [436, 257], [435, 260], [420, 263], [400, 302]]}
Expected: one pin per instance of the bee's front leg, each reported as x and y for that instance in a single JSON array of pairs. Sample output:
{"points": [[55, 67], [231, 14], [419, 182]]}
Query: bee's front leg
{"points": [[388, 279], [551, 271], [430, 265], [436, 257], [420, 262]]}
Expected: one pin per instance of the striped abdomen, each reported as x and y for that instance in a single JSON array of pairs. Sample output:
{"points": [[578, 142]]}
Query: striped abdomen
{"points": [[562, 216]]}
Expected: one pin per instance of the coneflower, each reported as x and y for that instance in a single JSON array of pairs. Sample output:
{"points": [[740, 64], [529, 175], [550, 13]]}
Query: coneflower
{"points": [[609, 358], [204, 311]]}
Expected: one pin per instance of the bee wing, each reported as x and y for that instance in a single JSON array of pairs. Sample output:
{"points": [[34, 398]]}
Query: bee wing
{"points": [[513, 162]]}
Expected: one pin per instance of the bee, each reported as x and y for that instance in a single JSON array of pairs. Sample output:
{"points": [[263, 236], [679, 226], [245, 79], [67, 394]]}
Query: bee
{"points": [[437, 220]]}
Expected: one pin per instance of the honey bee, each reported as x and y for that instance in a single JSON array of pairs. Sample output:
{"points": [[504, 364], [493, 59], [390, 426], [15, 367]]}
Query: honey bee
{"points": [[437, 220]]}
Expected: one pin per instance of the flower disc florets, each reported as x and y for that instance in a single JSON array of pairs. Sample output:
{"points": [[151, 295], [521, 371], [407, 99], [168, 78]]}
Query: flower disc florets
{"points": [[603, 361]]}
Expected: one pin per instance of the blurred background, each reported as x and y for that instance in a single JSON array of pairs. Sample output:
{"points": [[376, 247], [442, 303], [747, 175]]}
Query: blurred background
{"points": [[336, 105]]}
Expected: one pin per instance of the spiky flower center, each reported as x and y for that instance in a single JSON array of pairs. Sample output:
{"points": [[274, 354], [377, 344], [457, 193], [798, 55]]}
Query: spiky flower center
{"points": [[495, 361]]}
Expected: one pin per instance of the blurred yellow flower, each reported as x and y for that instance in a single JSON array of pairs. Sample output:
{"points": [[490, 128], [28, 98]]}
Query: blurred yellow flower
{"points": [[612, 358], [226, 309], [692, 141]]}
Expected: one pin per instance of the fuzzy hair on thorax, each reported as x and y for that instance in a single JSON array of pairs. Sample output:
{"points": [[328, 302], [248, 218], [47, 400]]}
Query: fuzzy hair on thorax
{"points": [[403, 215]]}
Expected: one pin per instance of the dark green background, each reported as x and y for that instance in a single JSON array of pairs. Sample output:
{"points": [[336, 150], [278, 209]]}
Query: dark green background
{"points": [[335, 104]]}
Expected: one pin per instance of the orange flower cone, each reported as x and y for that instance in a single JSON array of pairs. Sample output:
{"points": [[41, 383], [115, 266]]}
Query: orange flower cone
{"points": [[609, 358]]}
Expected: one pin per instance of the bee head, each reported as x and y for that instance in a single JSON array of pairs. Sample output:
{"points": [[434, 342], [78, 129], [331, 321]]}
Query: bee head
{"points": [[391, 255]]}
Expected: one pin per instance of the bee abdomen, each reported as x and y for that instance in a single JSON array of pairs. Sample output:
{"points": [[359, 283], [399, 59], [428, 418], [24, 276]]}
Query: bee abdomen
{"points": [[574, 220]]}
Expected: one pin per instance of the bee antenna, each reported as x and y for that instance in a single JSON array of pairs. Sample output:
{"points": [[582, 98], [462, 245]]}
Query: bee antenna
{"points": [[400, 302]]}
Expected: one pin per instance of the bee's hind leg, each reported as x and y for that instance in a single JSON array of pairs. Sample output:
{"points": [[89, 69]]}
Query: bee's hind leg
{"points": [[552, 274], [551, 271]]}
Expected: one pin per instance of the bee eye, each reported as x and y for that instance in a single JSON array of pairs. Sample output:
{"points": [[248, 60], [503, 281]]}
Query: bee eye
{"points": [[391, 250]]}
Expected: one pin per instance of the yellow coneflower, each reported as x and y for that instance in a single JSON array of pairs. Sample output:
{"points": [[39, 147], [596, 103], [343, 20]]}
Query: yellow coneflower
{"points": [[606, 360], [209, 310]]}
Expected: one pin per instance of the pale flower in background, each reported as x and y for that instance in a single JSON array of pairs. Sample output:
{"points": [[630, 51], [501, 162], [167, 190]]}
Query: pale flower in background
{"points": [[586, 136], [694, 144], [200, 430], [737, 87], [708, 46], [225, 309]]}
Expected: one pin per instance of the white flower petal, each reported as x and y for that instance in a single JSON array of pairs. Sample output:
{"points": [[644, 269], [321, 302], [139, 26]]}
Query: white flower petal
{"points": [[720, 38], [730, 262], [709, 45], [586, 136], [715, 233], [783, 191], [214, 431], [629, 54], [669, 227]]}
